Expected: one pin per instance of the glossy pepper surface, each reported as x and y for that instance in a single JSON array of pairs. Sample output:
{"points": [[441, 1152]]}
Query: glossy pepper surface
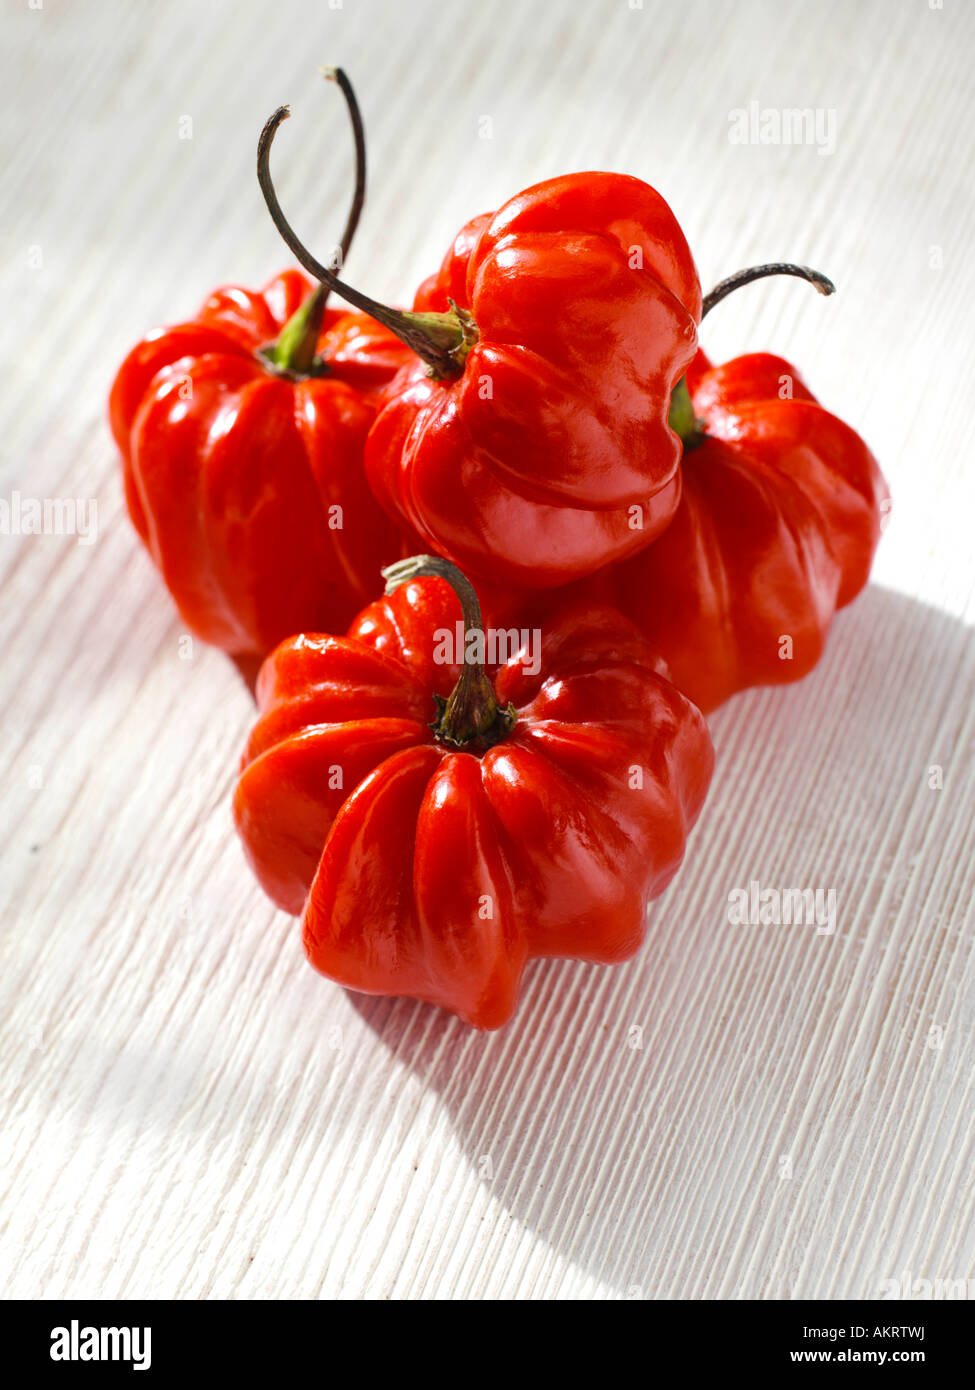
{"points": [[245, 482], [582, 301], [778, 524], [529, 443], [436, 869]]}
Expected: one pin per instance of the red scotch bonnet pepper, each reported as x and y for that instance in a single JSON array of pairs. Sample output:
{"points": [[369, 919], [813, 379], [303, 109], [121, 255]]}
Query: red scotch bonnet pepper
{"points": [[780, 515], [242, 436], [533, 420], [436, 829], [779, 520]]}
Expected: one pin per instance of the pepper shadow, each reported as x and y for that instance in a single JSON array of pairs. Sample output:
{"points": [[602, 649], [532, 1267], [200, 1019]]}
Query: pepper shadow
{"points": [[622, 1104]]}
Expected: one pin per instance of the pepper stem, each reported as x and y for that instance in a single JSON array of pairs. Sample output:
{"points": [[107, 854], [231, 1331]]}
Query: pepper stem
{"points": [[442, 341], [681, 417], [470, 717], [293, 353], [759, 272]]}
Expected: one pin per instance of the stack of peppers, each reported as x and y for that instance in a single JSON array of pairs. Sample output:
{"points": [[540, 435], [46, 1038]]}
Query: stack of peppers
{"points": [[590, 537]]}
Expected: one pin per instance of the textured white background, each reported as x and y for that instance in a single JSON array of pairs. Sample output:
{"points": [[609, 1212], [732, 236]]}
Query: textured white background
{"points": [[188, 1110]]}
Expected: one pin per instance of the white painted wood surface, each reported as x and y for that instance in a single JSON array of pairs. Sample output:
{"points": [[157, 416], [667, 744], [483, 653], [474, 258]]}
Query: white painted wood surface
{"points": [[188, 1110]]}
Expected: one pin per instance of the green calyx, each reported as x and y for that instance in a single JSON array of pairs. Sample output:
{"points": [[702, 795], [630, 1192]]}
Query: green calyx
{"points": [[295, 353], [471, 717], [453, 333], [681, 417]]}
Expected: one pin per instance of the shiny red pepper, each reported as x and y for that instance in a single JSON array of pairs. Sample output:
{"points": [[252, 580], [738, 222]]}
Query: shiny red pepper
{"points": [[781, 512], [246, 484], [242, 435], [537, 817], [530, 442], [777, 527]]}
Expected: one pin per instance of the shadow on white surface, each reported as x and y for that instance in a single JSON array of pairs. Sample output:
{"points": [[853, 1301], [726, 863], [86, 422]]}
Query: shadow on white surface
{"points": [[679, 1125], [699, 1122]]}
